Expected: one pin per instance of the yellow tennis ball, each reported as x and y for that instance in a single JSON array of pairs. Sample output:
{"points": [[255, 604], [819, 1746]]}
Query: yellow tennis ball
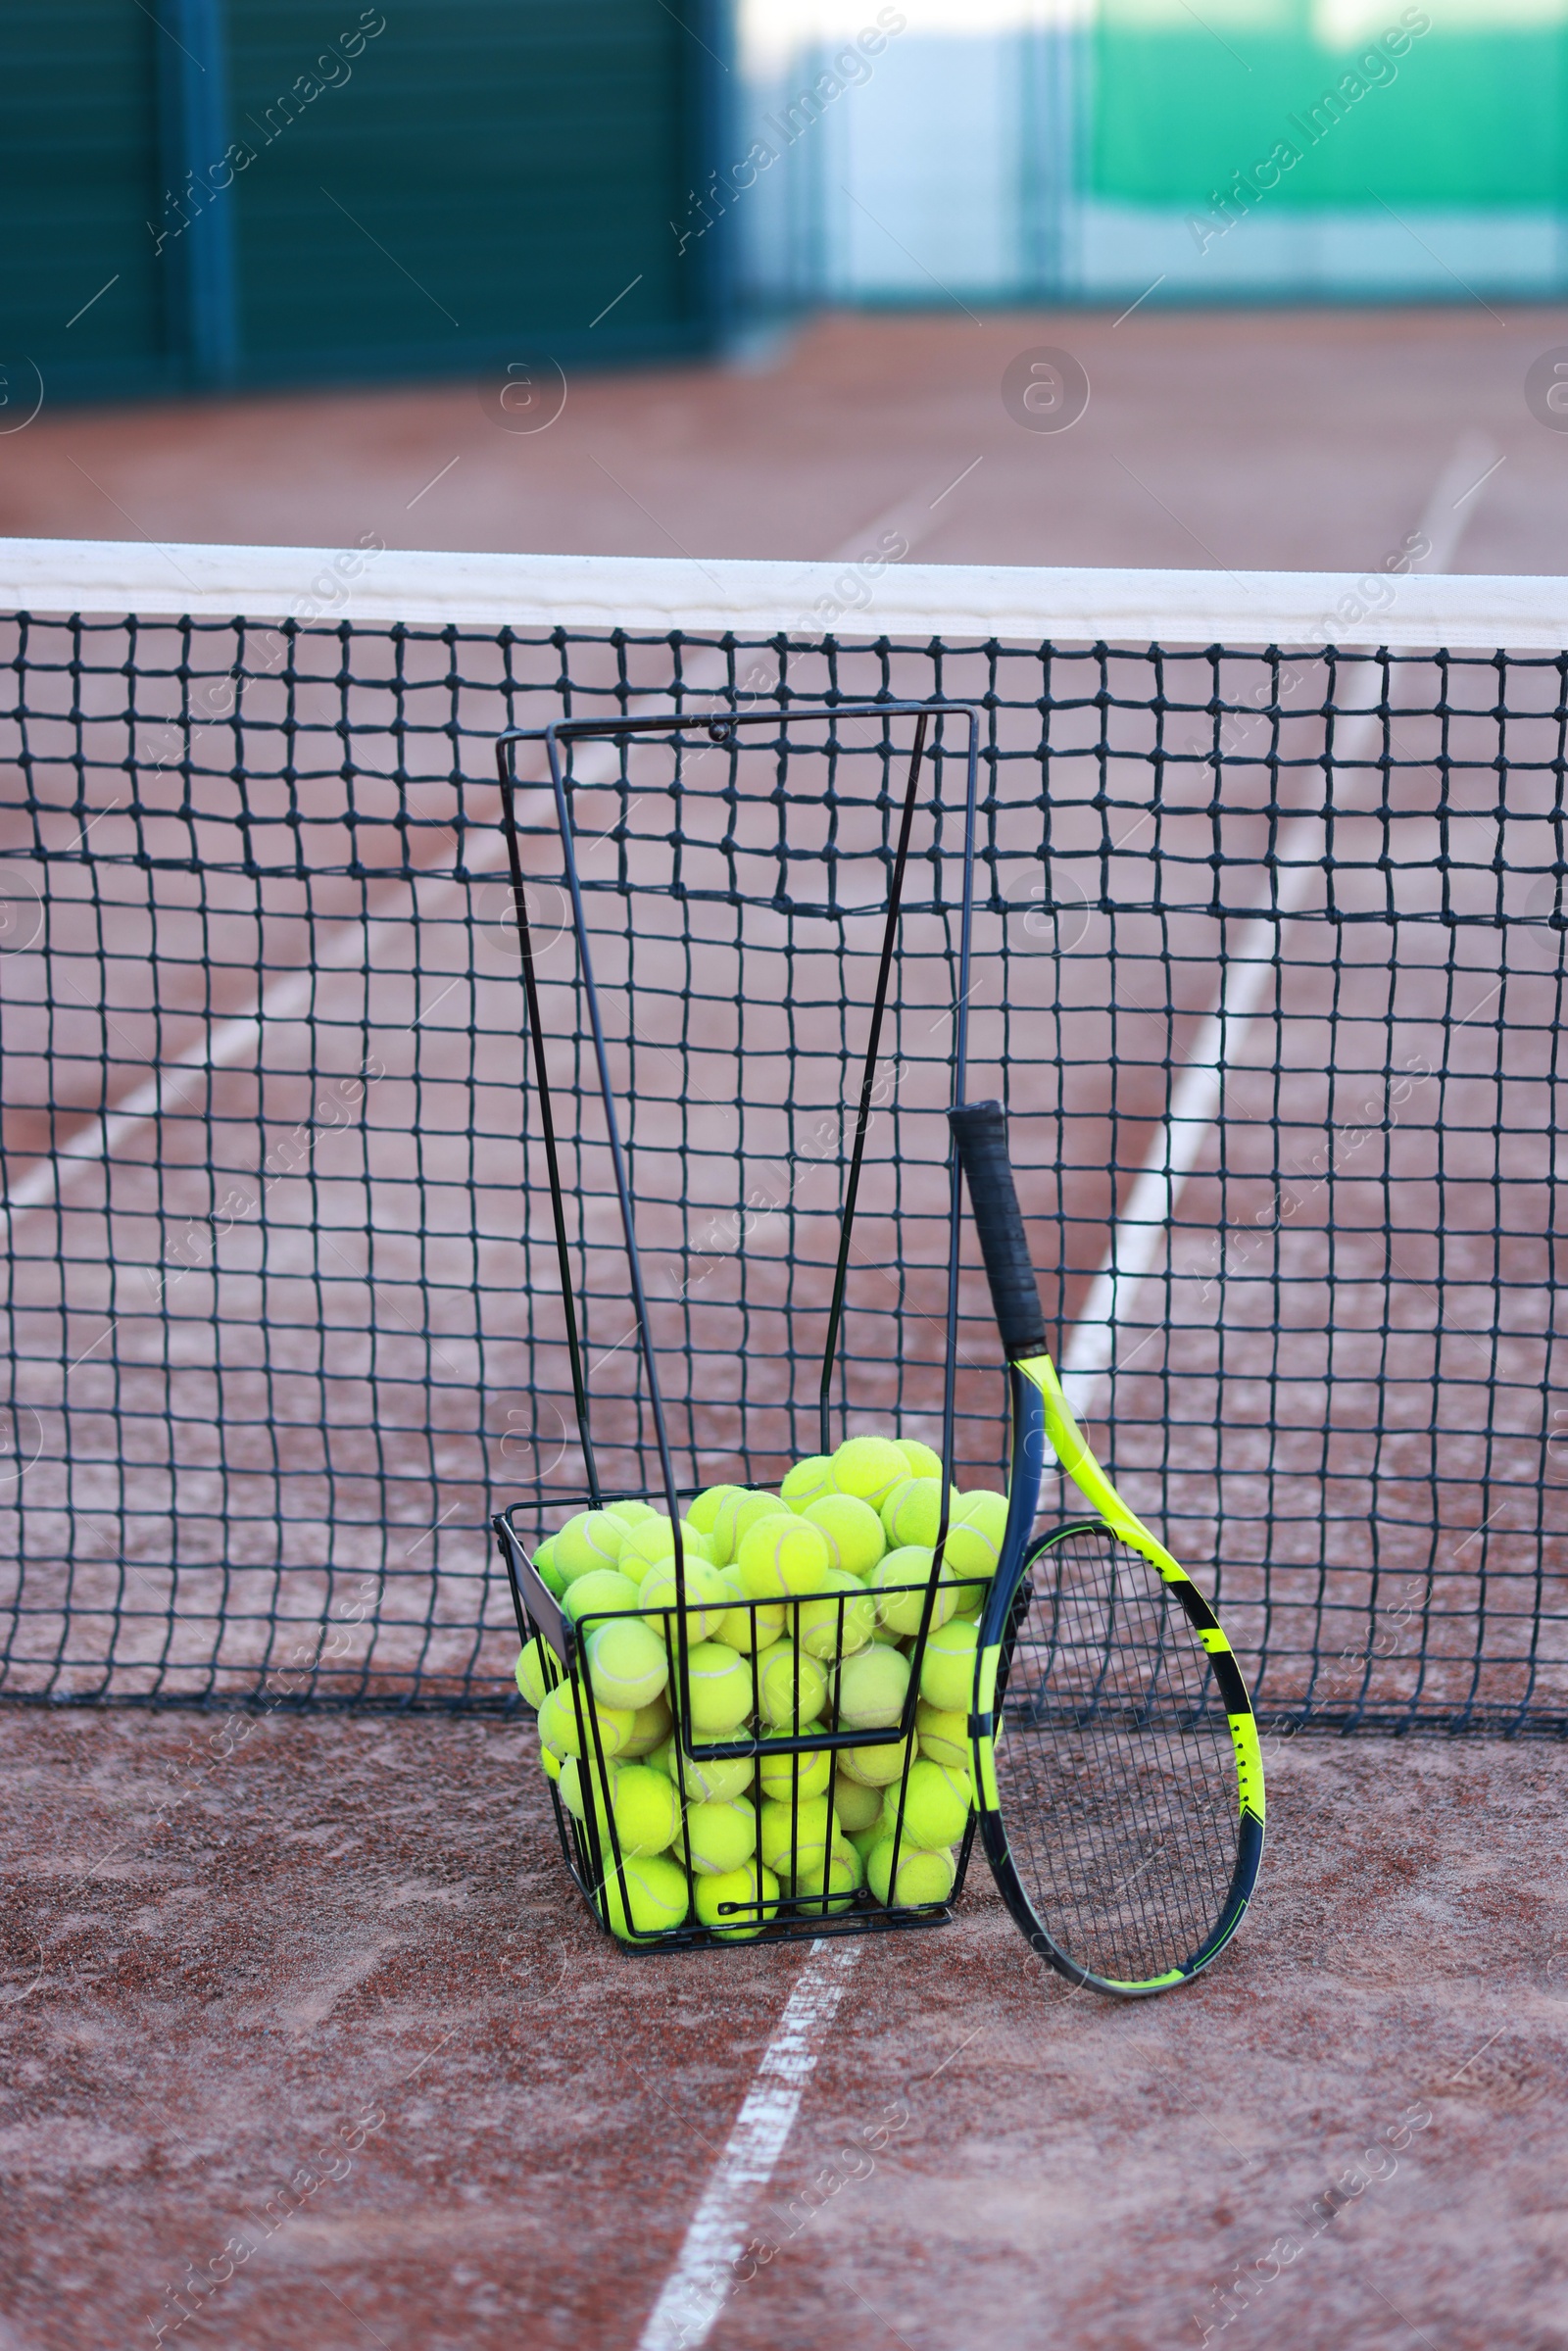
{"points": [[573, 1780], [807, 1482], [899, 1582], [721, 1689], [709, 1600], [559, 1726], [550, 1576], [593, 1539], [631, 1514], [737, 1905], [602, 1592], [877, 1767], [715, 1514], [871, 1689], [913, 1513], [863, 1840], [869, 1467], [794, 1836], [839, 1875], [627, 1666], [936, 1804], [550, 1763], [840, 1623], [658, 1896], [535, 1671], [653, 1540], [782, 1556], [645, 1808], [923, 1877], [791, 1685], [944, 1734], [974, 1538], [855, 1805], [751, 1624], [947, 1671], [650, 1729], [786, 1776], [853, 1531], [720, 1780], [923, 1462], [721, 1836]]}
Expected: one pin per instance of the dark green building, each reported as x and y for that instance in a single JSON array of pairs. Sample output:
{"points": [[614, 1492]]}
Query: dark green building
{"points": [[200, 193]]}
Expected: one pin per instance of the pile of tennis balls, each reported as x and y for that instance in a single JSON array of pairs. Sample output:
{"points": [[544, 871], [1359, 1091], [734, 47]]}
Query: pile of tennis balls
{"points": [[840, 1558]]}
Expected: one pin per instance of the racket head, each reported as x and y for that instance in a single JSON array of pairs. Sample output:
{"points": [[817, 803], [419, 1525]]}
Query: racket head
{"points": [[1121, 1806]]}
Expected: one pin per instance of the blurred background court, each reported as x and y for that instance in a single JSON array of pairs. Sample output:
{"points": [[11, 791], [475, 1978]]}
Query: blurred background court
{"points": [[669, 279]]}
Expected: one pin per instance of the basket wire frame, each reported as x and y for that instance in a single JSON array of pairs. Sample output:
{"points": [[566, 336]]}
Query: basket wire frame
{"points": [[593, 1850]]}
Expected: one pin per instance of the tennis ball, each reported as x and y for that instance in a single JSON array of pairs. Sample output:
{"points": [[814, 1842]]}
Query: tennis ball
{"points": [[871, 1689], [853, 1531], [602, 1592], [630, 1514], [650, 1729], [754, 1888], [550, 1763], [944, 1734], [707, 1599], [857, 1806], [573, 1780], [645, 1808], [840, 1624], [877, 1767], [653, 1540], [923, 1462], [718, 1781], [947, 1671], [807, 1482], [787, 1777], [535, 1673], [839, 1875], [544, 1562], [714, 1514], [720, 1689], [657, 1896], [593, 1539], [913, 1513], [869, 1467], [935, 1805], [558, 1727], [626, 1665], [923, 1877], [790, 1685], [865, 1840], [782, 1555], [899, 1582], [720, 1837], [974, 1538], [752, 1624], [794, 1836]]}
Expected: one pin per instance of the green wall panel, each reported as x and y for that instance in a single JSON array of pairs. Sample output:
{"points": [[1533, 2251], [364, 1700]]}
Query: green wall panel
{"points": [[1466, 116]]}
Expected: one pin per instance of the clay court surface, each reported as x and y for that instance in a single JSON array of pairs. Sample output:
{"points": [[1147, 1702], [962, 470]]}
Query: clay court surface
{"points": [[220, 1967], [352, 1919]]}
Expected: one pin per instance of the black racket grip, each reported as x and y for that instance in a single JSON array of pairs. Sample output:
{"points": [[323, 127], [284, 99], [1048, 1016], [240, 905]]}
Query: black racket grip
{"points": [[980, 1131]]}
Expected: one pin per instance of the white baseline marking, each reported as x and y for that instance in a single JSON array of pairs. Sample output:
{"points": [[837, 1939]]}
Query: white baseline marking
{"points": [[701, 2281], [1138, 1240]]}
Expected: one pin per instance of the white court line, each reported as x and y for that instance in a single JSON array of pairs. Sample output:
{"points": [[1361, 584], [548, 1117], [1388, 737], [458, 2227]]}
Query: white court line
{"points": [[1138, 1240], [703, 2280], [289, 997]]}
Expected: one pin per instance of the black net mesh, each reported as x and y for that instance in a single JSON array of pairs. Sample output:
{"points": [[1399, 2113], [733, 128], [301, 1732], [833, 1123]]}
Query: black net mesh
{"points": [[282, 1299]]}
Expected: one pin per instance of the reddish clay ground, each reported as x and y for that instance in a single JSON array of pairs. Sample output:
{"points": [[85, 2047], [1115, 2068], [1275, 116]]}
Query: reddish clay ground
{"points": [[1291, 439], [351, 1949]]}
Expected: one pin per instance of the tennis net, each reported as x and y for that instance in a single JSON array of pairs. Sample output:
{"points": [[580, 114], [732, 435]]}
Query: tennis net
{"points": [[1268, 969]]}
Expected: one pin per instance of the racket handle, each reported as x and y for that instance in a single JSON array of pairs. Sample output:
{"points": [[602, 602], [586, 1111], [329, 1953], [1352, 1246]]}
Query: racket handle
{"points": [[980, 1131]]}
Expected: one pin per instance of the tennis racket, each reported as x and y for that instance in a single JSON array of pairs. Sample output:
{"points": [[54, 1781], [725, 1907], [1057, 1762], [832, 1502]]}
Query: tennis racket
{"points": [[1116, 1762]]}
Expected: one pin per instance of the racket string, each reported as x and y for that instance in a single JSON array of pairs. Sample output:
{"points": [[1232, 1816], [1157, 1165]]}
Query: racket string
{"points": [[1116, 1768]]}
